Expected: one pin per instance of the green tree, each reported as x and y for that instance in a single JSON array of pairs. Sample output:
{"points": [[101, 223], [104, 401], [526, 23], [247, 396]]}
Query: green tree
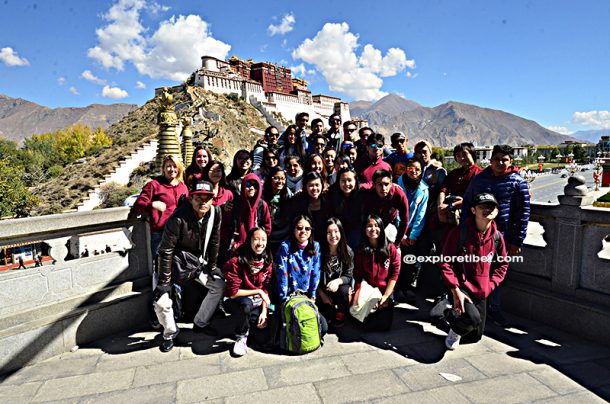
{"points": [[15, 198], [579, 153]]}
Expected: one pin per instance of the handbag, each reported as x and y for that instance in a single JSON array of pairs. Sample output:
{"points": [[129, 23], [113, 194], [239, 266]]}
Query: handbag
{"points": [[365, 299]]}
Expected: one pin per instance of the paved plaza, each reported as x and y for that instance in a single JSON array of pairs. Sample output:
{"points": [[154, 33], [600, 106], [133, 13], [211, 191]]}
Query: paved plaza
{"points": [[526, 363]]}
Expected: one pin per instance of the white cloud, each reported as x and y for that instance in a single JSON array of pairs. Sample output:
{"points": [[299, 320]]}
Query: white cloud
{"points": [[73, 90], [61, 81], [140, 85], [10, 58], [298, 70], [560, 129], [595, 119], [177, 46], [285, 26], [114, 92], [332, 52], [87, 75], [411, 75], [173, 51]]}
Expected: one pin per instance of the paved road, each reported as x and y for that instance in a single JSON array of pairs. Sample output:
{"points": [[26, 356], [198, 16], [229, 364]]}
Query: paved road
{"points": [[545, 188], [527, 363]]}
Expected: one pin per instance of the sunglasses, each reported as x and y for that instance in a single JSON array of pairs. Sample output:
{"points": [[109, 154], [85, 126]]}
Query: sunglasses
{"points": [[351, 130], [376, 146], [399, 140], [251, 184], [301, 228]]}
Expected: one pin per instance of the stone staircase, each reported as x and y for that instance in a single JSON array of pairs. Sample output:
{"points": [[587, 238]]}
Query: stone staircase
{"points": [[268, 116], [120, 174]]}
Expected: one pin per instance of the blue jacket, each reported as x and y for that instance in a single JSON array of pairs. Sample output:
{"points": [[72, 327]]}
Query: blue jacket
{"points": [[513, 196], [418, 202], [296, 271]]}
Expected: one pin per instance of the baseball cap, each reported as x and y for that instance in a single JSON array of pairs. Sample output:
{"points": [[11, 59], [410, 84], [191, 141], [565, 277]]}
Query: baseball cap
{"points": [[201, 187], [484, 198]]}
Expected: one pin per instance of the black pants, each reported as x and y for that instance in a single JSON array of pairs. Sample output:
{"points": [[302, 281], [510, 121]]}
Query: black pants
{"points": [[246, 320], [340, 300], [380, 320], [471, 323]]}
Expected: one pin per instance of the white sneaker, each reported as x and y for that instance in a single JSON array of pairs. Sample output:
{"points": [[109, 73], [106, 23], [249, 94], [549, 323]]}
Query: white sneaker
{"points": [[438, 310], [453, 340], [241, 347]]}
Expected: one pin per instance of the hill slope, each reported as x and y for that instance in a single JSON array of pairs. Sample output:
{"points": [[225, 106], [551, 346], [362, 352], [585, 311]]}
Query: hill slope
{"points": [[20, 118], [229, 122]]}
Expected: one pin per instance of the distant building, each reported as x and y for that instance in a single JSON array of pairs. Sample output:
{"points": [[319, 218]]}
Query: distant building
{"points": [[270, 85]]}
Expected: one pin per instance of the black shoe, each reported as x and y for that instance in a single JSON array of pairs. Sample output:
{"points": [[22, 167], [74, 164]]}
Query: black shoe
{"points": [[498, 318], [207, 330], [166, 345]]}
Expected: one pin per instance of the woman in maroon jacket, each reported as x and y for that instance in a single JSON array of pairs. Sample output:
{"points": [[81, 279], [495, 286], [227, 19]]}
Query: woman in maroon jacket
{"points": [[472, 280], [201, 158], [159, 198], [247, 276], [378, 263]]}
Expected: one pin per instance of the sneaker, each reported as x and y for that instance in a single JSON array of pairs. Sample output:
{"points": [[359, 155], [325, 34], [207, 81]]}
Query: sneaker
{"points": [[438, 311], [498, 318], [453, 340], [241, 347], [207, 330], [168, 344]]}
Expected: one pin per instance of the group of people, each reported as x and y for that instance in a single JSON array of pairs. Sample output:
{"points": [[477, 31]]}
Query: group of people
{"points": [[330, 214]]}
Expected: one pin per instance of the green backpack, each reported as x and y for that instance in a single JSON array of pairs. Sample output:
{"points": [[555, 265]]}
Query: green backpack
{"points": [[301, 332]]}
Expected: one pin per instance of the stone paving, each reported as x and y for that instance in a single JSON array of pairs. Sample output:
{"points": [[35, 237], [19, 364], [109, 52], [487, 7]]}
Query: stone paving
{"points": [[525, 363]]}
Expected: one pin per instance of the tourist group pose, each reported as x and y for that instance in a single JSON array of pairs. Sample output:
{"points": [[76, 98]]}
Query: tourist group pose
{"points": [[314, 227]]}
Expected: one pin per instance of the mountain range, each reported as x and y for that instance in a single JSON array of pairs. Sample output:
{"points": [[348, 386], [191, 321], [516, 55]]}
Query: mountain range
{"points": [[452, 122], [590, 136], [20, 118]]}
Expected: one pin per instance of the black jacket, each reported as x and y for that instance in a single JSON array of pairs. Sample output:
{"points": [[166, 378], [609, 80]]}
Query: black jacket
{"points": [[183, 232]]}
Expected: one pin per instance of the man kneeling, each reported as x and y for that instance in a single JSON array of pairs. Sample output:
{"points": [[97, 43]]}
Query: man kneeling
{"points": [[481, 248], [187, 253]]}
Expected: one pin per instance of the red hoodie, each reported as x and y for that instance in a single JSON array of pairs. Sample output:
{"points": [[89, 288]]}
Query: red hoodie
{"points": [[248, 212], [375, 270], [475, 277], [159, 189], [388, 208], [239, 276]]}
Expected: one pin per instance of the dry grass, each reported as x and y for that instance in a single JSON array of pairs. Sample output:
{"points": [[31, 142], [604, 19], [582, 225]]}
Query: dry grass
{"points": [[139, 127]]}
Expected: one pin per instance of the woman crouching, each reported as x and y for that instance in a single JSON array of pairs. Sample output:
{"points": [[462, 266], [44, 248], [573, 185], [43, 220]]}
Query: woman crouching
{"points": [[378, 265], [247, 276]]}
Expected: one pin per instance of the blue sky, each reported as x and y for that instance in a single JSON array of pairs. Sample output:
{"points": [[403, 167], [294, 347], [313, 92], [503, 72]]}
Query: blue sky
{"points": [[543, 60]]}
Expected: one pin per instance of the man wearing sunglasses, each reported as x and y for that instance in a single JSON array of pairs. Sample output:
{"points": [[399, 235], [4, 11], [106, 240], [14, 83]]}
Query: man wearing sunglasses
{"points": [[269, 142], [398, 159], [375, 144]]}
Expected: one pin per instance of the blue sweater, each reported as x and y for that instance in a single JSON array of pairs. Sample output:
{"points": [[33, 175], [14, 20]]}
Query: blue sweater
{"points": [[297, 271], [418, 203]]}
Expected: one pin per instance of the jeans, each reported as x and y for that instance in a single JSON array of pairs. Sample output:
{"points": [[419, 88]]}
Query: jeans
{"points": [[340, 300], [246, 319], [472, 322], [165, 312]]}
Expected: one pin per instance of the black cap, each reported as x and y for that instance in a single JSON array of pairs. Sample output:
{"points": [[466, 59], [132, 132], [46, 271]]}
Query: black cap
{"points": [[484, 198], [201, 187]]}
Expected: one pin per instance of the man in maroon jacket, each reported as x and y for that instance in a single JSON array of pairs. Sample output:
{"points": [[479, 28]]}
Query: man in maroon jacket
{"points": [[388, 201], [481, 247], [375, 144]]}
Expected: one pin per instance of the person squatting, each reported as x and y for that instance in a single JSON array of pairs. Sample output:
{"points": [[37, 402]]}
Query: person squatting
{"points": [[309, 229]]}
